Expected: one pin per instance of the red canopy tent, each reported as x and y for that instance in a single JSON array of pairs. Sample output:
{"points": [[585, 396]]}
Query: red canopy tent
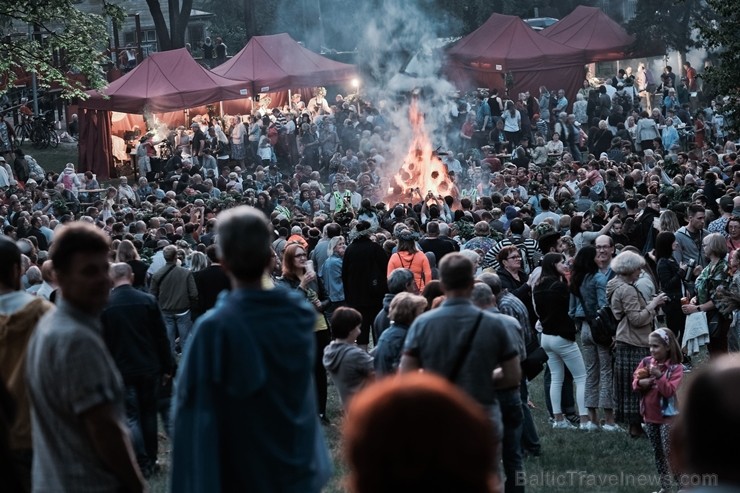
{"points": [[592, 31], [278, 63], [164, 82], [505, 44]]}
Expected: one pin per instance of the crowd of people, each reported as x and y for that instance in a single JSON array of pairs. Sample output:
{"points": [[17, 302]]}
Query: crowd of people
{"points": [[111, 294]]}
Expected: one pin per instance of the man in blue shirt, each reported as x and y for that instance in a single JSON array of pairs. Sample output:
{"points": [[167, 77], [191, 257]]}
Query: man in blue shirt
{"points": [[244, 413]]}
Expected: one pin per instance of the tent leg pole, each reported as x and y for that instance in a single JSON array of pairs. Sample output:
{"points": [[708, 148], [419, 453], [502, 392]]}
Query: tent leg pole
{"points": [[290, 98]]}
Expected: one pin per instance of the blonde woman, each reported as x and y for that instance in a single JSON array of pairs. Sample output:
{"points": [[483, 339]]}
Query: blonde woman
{"points": [[668, 222]]}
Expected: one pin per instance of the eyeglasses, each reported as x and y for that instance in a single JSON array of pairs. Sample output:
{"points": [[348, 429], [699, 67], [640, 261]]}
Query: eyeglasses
{"points": [[299, 255], [516, 257], [602, 247]]}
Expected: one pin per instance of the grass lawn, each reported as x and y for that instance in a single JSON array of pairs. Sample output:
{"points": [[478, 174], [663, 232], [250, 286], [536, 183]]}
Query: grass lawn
{"points": [[53, 159], [571, 461]]}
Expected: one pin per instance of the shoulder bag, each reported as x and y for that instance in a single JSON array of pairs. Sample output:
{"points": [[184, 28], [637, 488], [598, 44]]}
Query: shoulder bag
{"points": [[535, 361], [464, 350]]}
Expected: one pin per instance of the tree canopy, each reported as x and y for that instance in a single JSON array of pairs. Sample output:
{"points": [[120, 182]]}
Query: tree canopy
{"points": [[718, 35], [65, 41]]}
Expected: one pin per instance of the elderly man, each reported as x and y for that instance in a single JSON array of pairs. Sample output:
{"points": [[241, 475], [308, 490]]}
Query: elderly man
{"points": [[126, 192], [260, 433], [482, 240], [134, 332], [510, 398]]}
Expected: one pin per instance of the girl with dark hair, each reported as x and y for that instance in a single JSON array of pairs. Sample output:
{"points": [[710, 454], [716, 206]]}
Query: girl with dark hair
{"points": [[559, 339], [588, 294], [670, 277]]}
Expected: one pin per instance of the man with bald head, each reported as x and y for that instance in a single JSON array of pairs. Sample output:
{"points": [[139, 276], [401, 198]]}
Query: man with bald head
{"points": [[134, 331]]}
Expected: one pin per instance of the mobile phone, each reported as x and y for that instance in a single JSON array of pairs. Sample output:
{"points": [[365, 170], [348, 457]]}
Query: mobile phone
{"points": [[309, 266]]}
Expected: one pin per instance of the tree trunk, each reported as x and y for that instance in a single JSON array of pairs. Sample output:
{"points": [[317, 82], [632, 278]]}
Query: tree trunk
{"points": [[160, 25], [183, 19]]}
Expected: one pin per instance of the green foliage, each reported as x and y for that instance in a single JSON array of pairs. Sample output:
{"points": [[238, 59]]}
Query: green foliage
{"points": [[718, 34], [668, 23], [60, 27]]}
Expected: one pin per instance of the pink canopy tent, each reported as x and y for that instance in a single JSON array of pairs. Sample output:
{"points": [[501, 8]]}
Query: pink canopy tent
{"points": [[504, 44], [278, 63], [170, 81], [589, 29]]}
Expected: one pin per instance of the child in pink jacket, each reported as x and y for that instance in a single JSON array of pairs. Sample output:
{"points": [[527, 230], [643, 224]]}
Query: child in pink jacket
{"points": [[657, 377]]}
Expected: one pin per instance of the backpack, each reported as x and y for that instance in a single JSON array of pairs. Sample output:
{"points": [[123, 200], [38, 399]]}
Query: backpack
{"points": [[67, 181], [603, 325]]}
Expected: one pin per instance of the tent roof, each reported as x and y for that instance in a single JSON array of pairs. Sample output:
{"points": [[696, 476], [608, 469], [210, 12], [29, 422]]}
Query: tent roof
{"points": [[277, 62], [506, 43], [594, 32], [166, 81]]}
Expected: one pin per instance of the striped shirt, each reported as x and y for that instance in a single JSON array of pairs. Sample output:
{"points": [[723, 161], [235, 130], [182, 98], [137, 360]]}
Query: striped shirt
{"points": [[531, 246]]}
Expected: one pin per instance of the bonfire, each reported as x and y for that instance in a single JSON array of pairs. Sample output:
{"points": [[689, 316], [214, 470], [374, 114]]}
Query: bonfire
{"points": [[422, 171]]}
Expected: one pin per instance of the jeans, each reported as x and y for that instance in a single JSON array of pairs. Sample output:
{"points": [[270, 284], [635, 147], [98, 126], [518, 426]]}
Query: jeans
{"points": [[178, 323], [511, 415], [141, 414], [530, 437], [564, 353]]}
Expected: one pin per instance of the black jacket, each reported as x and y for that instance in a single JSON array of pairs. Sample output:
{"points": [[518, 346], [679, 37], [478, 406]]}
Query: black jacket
{"points": [[210, 282], [552, 300], [134, 331], [364, 273], [643, 234]]}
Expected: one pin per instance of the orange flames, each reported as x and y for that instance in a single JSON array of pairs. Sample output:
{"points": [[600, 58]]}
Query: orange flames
{"points": [[421, 168]]}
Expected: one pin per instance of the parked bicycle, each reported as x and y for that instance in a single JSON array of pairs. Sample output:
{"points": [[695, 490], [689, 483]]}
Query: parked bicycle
{"points": [[44, 133]]}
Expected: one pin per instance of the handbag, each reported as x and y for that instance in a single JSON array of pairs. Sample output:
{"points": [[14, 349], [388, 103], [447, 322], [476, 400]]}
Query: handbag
{"points": [[668, 405], [535, 361]]}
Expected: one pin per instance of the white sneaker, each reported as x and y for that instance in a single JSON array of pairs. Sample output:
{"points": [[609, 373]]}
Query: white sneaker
{"points": [[614, 428], [563, 424], [589, 426]]}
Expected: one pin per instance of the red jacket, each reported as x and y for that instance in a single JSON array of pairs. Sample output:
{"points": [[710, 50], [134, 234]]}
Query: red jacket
{"points": [[663, 386]]}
